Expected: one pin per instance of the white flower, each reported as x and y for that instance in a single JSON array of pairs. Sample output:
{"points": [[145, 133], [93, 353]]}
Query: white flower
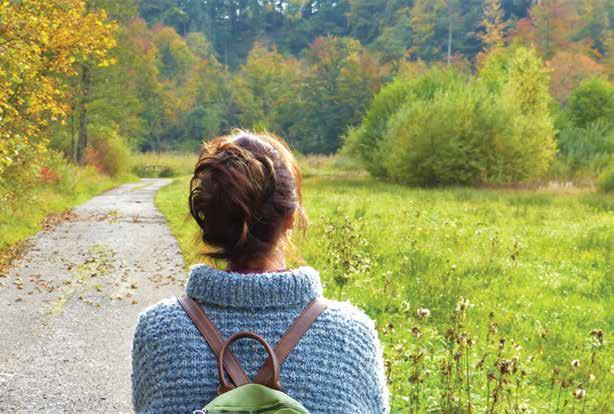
{"points": [[423, 313]]}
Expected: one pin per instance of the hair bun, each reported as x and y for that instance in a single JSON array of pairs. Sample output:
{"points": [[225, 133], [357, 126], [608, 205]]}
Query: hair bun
{"points": [[243, 188]]}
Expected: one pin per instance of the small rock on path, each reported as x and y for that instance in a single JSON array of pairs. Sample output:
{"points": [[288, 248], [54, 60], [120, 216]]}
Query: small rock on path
{"points": [[69, 305]]}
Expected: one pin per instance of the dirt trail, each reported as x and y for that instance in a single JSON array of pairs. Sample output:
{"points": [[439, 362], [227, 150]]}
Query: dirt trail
{"points": [[68, 307]]}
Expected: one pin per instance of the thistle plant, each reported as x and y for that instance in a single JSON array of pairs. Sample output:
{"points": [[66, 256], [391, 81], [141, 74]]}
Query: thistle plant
{"points": [[347, 250]]}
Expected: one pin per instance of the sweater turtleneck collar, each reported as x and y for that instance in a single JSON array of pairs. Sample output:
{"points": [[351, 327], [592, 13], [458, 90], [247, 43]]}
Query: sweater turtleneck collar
{"points": [[252, 290]]}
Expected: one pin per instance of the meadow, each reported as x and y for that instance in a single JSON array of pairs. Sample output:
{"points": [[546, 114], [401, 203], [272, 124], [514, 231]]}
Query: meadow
{"points": [[486, 300]]}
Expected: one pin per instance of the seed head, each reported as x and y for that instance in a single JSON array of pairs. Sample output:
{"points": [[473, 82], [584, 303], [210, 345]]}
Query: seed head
{"points": [[598, 335], [579, 393], [462, 304], [423, 313], [575, 363]]}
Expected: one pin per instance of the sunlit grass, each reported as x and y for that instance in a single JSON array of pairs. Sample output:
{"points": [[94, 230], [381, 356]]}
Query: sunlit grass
{"points": [[538, 266], [26, 205], [165, 164]]}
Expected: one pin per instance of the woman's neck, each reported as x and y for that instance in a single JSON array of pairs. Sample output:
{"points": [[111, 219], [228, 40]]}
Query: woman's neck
{"points": [[273, 263]]}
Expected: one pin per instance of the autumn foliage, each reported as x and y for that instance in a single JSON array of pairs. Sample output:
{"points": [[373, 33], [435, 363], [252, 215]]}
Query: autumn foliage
{"points": [[41, 43]]}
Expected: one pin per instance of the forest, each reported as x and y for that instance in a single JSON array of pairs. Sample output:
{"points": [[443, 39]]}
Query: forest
{"points": [[163, 75]]}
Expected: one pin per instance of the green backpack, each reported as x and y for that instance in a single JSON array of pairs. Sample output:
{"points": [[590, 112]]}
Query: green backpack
{"points": [[264, 394]]}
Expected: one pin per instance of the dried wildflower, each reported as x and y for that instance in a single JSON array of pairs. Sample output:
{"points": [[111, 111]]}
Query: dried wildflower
{"points": [[415, 331], [598, 335], [501, 343], [505, 366], [579, 393], [450, 334], [462, 304], [575, 363], [423, 313], [445, 368]]}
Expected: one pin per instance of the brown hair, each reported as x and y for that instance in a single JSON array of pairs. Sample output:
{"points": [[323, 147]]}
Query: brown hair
{"points": [[245, 186]]}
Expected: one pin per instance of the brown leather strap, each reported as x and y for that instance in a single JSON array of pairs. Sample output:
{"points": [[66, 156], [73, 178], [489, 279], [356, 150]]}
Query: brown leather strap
{"points": [[290, 338], [224, 386], [214, 339]]}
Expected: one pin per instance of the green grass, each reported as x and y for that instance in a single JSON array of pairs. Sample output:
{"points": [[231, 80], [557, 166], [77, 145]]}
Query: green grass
{"points": [[26, 202], [537, 269]]}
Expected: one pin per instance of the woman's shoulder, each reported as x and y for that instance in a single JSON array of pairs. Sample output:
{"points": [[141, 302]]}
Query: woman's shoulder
{"points": [[159, 317], [348, 319]]}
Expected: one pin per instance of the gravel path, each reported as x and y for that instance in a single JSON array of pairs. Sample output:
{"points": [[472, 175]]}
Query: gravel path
{"points": [[68, 307]]}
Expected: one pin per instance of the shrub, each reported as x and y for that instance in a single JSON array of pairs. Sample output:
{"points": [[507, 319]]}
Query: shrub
{"points": [[605, 183], [583, 146], [438, 142], [166, 172], [364, 139], [592, 101], [442, 128], [107, 151]]}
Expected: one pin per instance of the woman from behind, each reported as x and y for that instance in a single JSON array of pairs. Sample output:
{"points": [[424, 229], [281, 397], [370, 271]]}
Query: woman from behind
{"points": [[245, 196]]}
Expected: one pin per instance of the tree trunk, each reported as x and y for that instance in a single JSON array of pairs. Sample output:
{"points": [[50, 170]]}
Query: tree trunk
{"points": [[73, 135], [83, 121], [450, 40]]}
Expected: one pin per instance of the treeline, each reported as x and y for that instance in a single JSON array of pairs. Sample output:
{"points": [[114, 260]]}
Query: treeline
{"points": [[189, 70], [168, 92], [164, 74], [418, 29]]}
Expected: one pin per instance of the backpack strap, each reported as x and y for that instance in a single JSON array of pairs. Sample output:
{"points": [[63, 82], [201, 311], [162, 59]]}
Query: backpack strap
{"points": [[290, 338], [214, 339]]}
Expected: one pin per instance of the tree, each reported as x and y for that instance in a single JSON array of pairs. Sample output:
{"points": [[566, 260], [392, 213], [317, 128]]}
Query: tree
{"points": [[32, 87], [265, 87], [424, 19], [592, 101], [568, 69], [595, 18], [340, 83], [555, 22], [492, 37]]}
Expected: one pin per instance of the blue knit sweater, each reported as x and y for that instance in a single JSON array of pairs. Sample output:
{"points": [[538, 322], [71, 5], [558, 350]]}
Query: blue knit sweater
{"points": [[337, 367]]}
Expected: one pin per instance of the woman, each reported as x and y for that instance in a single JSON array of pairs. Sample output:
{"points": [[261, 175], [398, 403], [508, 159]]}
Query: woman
{"points": [[246, 196]]}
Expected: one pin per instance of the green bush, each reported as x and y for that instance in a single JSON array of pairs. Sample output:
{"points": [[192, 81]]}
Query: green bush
{"points": [[591, 101], [107, 151], [439, 141], [364, 139], [442, 128], [583, 146], [605, 183]]}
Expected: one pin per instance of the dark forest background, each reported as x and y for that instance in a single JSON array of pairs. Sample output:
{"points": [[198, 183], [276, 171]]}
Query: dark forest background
{"points": [[308, 70]]}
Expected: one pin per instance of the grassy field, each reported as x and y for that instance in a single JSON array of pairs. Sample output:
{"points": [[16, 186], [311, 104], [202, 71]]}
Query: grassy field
{"points": [[487, 301]]}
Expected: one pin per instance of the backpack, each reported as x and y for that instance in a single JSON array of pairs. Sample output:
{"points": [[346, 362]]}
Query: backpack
{"points": [[263, 395]]}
